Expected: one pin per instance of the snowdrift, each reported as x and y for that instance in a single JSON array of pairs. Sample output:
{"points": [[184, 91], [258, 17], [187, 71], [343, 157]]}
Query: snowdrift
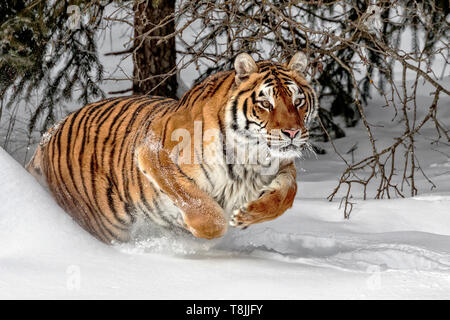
{"points": [[389, 249]]}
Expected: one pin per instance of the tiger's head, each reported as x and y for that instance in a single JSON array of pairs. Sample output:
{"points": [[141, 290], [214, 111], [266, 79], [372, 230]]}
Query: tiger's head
{"points": [[273, 103]]}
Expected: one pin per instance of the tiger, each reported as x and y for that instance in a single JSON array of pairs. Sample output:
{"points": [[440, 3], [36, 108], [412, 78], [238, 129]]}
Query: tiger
{"points": [[127, 161]]}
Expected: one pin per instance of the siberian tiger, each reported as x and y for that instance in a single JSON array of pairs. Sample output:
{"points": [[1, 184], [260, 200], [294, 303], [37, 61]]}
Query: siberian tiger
{"points": [[125, 160]]}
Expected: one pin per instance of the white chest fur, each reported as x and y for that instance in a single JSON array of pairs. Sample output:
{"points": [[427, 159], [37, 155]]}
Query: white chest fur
{"points": [[236, 185]]}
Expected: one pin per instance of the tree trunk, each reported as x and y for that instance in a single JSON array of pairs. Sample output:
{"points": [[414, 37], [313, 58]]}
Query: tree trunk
{"points": [[152, 61]]}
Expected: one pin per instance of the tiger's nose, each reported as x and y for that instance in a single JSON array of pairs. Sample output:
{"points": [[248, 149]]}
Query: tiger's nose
{"points": [[291, 133]]}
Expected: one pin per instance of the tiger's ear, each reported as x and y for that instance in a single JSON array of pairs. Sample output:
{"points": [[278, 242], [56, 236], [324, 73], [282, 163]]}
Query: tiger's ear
{"points": [[244, 65], [298, 62]]}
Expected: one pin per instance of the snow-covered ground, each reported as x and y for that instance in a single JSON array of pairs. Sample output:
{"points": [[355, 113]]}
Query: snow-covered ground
{"points": [[388, 249], [396, 248]]}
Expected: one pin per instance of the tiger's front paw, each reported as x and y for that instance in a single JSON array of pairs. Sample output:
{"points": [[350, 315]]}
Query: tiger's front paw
{"points": [[241, 218], [268, 207]]}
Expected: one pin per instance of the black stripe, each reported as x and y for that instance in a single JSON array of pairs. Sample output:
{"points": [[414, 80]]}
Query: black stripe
{"points": [[268, 81], [219, 84], [253, 96], [254, 114], [234, 108], [229, 165], [244, 110]]}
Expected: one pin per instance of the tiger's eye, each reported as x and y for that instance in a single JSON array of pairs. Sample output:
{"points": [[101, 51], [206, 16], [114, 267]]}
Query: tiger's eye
{"points": [[266, 104], [298, 102]]}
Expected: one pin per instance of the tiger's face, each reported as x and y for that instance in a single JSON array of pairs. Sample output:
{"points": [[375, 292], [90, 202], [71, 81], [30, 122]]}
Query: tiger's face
{"points": [[273, 103]]}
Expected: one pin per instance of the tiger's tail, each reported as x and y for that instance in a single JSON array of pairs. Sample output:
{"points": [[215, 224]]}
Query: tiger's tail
{"points": [[35, 167], [36, 164]]}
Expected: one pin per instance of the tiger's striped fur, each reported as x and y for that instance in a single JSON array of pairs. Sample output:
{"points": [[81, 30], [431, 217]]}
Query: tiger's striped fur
{"points": [[111, 163]]}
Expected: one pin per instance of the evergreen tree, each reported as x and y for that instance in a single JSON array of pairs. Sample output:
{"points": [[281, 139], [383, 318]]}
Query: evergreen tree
{"points": [[46, 45]]}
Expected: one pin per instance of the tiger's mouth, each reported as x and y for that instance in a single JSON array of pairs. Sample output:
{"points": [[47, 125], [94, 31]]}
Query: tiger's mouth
{"points": [[290, 149], [275, 145]]}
